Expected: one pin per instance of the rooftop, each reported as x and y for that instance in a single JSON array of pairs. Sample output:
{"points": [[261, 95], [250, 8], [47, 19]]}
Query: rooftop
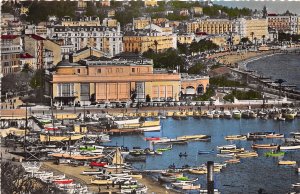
{"points": [[36, 37], [7, 37], [25, 56]]}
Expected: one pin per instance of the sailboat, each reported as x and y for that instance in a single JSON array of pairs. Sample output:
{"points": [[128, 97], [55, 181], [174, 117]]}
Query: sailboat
{"points": [[118, 161]]}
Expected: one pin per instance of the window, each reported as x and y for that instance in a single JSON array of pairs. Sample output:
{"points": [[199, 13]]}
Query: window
{"points": [[132, 70], [78, 70], [99, 70]]}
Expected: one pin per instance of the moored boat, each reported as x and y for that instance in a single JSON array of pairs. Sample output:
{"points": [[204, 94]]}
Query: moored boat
{"points": [[205, 151], [236, 137], [226, 147], [274, 154], [264, 146], [287, 162]]}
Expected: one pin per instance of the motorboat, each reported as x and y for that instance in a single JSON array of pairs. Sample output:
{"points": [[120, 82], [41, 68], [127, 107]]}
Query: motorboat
{"points": [[246, 155], [275, 135], [236, 114]]}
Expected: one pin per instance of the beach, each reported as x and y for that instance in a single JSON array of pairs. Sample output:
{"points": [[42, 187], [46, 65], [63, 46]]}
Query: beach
{"points": [[75, 173], [232, 58]]}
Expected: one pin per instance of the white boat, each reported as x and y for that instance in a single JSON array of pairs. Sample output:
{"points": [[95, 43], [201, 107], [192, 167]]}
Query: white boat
{"points": [[126, 121], [227, 147], [153, 128], [289, 147], [227, 115], [91, 172], [226, 155]]}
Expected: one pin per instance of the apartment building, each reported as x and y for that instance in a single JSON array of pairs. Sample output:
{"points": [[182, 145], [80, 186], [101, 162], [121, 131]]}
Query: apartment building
{"points": [[10, 54], [284, 23], [210, 26], [106, 39], [140, 22], [143, 41]]}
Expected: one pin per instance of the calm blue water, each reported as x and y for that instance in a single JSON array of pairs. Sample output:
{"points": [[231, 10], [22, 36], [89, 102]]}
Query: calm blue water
{"points": [[245, 177], [280, 66]]}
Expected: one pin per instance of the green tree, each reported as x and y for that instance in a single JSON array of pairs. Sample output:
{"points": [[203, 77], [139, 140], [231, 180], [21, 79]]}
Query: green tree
{"points": [[196, 69], [148, 99], [90, 9]]}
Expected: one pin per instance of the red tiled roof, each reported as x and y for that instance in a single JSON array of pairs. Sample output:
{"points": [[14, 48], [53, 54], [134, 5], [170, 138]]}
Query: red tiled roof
{"points": [[36, 37], [25, 56], [9, 36], [272, 14]]}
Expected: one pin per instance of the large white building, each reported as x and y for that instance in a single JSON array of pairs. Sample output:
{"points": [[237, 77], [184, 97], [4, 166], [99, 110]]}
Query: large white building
{"points": [[105, 39], [251, 28]]}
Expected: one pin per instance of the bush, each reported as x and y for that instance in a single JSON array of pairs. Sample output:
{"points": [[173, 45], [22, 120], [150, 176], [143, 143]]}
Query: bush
{"points": [[241, 95]]}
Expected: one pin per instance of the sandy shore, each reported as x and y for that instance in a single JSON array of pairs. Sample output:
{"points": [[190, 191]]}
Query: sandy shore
{"points": [[233, 57], [75, 173]]}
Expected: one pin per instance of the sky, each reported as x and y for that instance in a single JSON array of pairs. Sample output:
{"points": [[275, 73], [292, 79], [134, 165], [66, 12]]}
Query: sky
{"points": [[276, 6]]}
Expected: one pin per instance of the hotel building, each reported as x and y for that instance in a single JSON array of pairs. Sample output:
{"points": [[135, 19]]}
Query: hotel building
{"points": [[210, 26]]}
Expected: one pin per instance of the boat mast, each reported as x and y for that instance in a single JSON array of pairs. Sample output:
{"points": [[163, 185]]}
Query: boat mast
{"points": [[26, 125]]}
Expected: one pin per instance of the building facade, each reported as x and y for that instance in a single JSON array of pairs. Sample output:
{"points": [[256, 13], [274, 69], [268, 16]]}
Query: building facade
{"points": [[140, 23], [281, 22], [210, 26], [10, 54], [106, 39], [251, 28], [110, 81], [142, 42]]}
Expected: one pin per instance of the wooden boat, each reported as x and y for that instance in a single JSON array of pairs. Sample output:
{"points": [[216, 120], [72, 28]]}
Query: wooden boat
{"points": [[236, 137], [205, 151], [47, 138], [92, 172], [152, 128], [226, 155], [98, 164], [287, 162], [274, 154], [193, 137], [101, 182], [293, 146], [227, 115], [227, 147], [246, 155], [198, 171], [63, 181], [297, 185], [237, 150], [164, 149], [76, 156], [275, 135], [264, 146], [190, 187], [232, 161]]}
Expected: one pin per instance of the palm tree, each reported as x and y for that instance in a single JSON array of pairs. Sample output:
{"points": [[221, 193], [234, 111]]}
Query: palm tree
{"points": [[252, 35], [155, 43], [255, 40], [263, 37]]}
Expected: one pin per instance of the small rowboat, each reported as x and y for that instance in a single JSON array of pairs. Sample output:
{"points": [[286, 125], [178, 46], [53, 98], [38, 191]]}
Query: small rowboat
{"points": [[227, 147], [246, 155], [287, 162], [238, 150], [233, 161], [63, 181], [264, 146], [275, 136], [226, 155], [274, 154], [236, 137]]}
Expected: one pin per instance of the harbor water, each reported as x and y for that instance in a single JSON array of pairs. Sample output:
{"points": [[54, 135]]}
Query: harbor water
{"points": [[248, 176], [279, 66]]}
